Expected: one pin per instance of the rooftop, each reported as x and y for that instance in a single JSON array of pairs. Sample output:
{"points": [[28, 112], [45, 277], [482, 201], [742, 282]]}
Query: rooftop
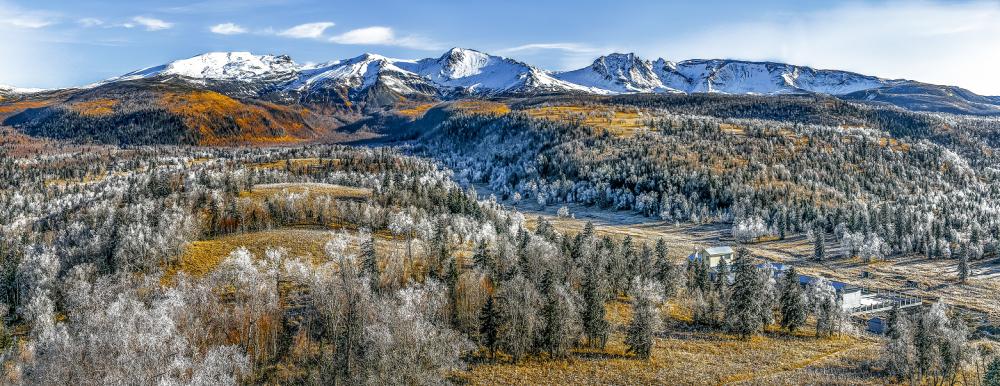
{"points": [[718, 251]]}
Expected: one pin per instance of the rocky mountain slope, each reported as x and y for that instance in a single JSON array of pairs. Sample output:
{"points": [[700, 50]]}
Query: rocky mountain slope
{"points": [[378, 81], [243, 98]]}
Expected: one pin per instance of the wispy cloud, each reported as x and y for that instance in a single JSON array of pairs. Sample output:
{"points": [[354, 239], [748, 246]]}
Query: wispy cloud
{"points": [[90, 22], [385, 36], [307, 31], [560, 55], [19, 18], [149, 23], [228, 29], [568, 47]]}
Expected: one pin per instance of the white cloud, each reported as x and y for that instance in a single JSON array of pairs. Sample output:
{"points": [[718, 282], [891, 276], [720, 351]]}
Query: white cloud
{"points": [[568, 47], [307, 31], [90, 22], [151, 24], [385, 36], [228, 29], [943, 43], [569, 56], [19, 18]]}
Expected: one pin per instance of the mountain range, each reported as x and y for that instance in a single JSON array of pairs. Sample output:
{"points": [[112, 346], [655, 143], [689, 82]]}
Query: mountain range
{"points": [[240, 97], [379, 81]]}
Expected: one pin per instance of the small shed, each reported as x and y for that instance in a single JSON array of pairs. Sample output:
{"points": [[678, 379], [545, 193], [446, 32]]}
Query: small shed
{"points": [[714, 255]]}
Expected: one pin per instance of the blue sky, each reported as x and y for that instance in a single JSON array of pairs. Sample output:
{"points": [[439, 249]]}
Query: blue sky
{"points": [[64, 43]]}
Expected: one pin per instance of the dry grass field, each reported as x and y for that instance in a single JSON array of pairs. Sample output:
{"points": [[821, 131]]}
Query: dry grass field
{"points": [[686, 356], [337, 191], [617, 121], [201, 257], [471, 106]]}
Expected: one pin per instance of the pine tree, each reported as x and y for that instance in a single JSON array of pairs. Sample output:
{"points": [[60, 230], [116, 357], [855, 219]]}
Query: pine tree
{"points": [[892, 321], [992, 376], [451, 278], [369, 258], [489, 321], [664, 271], [701, 275], [640, 331], [481, 256], [595, 326], [793, 307], [743, 309], [963, 264], [561, 324], [721, 284], [819, 249]]}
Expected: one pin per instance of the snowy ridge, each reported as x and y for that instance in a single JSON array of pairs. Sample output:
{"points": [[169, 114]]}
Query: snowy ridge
{"points": [[618, 73], [19, 90], [242, 66], [627, 73], [358, 73], [472, 71], [461, 71]]}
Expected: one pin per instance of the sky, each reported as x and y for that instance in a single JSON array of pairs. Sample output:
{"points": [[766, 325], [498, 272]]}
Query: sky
{"points": [[58, 43]]}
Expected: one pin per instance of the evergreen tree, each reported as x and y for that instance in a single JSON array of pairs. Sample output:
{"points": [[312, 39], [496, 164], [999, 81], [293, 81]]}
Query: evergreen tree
{"points": [[481, 256], [369, 258], [992, 376], [664, 270], [701, 275], [595, 326], [489, 321], [792, 302], [963, 264], [892, 321], [819, 248], [721, 284], [451, 278], [561, 322], [743, 308], [645, 322]]}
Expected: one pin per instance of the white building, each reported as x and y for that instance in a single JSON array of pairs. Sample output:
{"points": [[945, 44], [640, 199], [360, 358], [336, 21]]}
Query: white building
{"points": [[714, 255]]}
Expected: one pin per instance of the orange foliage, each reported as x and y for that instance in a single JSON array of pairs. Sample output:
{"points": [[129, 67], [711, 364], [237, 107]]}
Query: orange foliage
{"points": [[8, 110], [417, 111], [471, 106], [94, 108], [222, 120]]}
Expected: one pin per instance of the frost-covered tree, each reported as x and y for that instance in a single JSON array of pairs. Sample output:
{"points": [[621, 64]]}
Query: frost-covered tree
{"points": [[743, 309], [641, 330], [792, 302]]}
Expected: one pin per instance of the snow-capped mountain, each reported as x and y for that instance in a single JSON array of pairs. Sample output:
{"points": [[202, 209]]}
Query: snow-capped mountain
{"points": [[19, 90], [742, 77], [618, 73], [627, 73], [360, 74], [379, 80], [474, 72], [220, 66]]}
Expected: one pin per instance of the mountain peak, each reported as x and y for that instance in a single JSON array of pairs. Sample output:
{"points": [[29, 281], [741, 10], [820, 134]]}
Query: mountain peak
{"points": [[617, 72], [464, 71]]}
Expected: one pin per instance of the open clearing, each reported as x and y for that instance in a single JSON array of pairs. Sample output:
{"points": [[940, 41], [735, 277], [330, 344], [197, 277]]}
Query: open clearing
{"points": [[682, 356], [936, 279], [337, 191], [616, 121]]}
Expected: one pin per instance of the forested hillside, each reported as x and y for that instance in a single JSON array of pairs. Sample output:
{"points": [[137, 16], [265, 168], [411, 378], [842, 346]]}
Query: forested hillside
{"points": [[900, 181], [143, 113]]}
